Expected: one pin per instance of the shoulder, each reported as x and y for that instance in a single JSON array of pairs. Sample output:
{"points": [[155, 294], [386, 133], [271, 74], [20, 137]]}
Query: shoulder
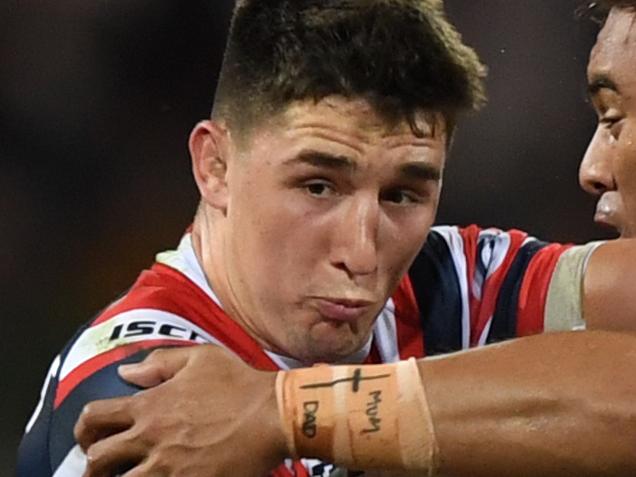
{"points": [[162, 309]]}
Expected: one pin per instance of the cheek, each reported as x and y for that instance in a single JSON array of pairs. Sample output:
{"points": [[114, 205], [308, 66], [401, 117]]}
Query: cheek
{"points": [[403, 242], [625, 173], [279, 241]]}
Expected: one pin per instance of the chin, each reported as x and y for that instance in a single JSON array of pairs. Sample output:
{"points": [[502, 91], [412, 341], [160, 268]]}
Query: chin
{"points": [[318, 351], [323, 354], [325, 341]]}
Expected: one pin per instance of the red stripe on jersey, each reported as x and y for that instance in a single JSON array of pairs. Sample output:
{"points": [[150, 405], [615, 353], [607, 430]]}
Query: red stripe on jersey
{"points": [[300, 470], [534, 289], [407, 321], [281, 471], [492, 285], [164, 288], [102, 360], [297, 470]]}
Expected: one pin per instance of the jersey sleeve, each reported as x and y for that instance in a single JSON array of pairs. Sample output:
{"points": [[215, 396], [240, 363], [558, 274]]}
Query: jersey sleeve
{"points": [[476, 286], [86, 371]]}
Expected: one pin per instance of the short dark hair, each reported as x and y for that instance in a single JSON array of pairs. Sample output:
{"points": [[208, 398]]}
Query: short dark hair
{"points": [[401, 55], [599, 9]]}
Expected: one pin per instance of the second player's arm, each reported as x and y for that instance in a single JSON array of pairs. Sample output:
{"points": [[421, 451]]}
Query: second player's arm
{"points": [[550, 405]]}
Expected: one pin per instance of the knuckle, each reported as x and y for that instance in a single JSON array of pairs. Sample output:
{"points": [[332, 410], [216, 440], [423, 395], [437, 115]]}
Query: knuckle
{"points": [[143, 432], [87, 411], [155, 355], [93, 459]]}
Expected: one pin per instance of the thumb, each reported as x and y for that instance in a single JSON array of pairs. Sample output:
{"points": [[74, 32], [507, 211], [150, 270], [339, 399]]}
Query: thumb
{"points": [[159, 366]]}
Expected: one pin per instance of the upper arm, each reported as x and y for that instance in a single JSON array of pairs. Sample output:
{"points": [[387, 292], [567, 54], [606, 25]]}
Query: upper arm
{"points": [[48, 444], [609, 286], [102, 384], [476, 286], [87, 371]]}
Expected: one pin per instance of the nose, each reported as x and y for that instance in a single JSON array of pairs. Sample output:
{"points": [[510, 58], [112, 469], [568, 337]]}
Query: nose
{"points": [[354, 242], [595, 173]]}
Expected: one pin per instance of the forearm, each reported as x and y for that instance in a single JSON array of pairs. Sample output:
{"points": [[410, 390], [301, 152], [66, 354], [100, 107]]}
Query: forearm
{"points": [[560, 404], [551, 405]]}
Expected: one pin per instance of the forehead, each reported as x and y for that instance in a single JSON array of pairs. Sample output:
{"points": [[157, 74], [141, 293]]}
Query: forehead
{"points": [[359, 119], [614, 53]]}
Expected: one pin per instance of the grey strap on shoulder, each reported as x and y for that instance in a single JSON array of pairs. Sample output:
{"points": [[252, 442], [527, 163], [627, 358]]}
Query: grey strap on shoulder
{"points": [[563, 309]]}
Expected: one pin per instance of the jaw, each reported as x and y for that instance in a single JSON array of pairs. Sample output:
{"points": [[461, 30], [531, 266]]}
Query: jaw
{"points": [[326, 342]]}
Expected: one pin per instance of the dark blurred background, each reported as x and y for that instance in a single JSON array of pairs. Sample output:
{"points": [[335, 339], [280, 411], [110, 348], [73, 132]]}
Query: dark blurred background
{"points": [[96, 102]]}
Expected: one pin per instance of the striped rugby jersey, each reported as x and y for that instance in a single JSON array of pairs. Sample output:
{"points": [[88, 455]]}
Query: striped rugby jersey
{"points": [[466, 288]]}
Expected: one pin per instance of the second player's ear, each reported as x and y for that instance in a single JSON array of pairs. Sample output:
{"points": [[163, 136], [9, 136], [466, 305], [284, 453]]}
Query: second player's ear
{"points": [[209, 150]]}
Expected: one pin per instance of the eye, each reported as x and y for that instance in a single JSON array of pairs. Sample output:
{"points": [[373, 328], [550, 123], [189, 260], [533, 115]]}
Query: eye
{"points": [[319, 188], [609, 121], [402, 197], [613, 124]]}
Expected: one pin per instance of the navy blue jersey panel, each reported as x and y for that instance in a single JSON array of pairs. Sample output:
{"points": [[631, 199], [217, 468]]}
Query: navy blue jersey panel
{"points": [[104, 384], [33, 453], [504, 321], [438, 296]]}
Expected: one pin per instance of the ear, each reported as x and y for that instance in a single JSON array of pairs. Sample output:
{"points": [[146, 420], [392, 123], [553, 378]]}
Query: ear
{"points": [[209, 150]]}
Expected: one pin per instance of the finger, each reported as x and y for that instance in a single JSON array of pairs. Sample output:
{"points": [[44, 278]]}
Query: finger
{"points": [[114, 455], [147, 469], [159, 366], [100, 419]]}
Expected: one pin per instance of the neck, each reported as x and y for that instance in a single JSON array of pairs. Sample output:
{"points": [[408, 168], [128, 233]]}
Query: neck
{"points": [[209, 243]]}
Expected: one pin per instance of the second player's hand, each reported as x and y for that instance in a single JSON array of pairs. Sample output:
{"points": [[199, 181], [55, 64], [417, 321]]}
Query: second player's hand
{"points": [[171, 430]]}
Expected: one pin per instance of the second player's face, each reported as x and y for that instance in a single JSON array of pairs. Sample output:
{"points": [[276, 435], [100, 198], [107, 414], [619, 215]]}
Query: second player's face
{"points": [[328, 207], [608, 169]]}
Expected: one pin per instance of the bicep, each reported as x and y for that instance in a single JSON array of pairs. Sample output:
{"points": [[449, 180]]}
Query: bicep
{"points": [[608, 287]]}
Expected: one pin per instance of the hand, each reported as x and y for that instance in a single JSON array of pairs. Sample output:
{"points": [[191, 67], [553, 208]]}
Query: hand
{"points": [[209, 415]]}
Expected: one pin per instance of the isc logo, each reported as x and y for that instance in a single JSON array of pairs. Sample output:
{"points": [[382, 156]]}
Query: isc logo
{"points": [[148, 327]]}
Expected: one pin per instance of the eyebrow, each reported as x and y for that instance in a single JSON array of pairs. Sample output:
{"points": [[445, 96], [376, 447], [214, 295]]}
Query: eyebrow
{"points": [[599, 82], [321, 159], [419, 171]]}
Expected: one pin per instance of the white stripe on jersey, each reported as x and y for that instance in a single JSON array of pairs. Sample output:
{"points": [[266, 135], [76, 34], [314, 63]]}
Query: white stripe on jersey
{"points": [[385, 333], [73, 465], [484, 334], [185, 260], [491, 236], [38, 409], [131, 327], [492, 258], [456, 245]]}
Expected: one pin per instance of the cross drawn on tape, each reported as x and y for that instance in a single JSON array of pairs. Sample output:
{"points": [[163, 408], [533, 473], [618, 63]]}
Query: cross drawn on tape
{"points": [[355, 381]]}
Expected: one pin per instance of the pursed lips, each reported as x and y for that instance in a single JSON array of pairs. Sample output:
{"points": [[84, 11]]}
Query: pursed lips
{"points": [[608, 211], [341, 309]]}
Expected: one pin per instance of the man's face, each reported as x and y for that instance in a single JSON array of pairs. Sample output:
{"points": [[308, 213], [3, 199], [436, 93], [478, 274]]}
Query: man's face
{"points": [[328, 206], [608, 169]]}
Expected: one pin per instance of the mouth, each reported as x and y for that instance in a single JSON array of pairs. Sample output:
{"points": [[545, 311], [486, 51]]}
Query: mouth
{"points": [[341, 309], [607, 214]]}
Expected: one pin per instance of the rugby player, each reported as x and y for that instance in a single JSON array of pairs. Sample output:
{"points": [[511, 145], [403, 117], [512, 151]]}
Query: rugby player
{"points": [[320, 173]]}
